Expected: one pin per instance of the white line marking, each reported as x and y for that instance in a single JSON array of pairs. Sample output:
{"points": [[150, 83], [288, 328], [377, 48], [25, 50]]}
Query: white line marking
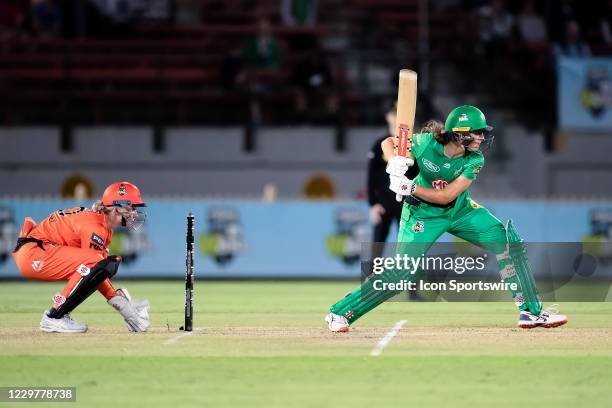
{"points": [[377, 351], [180, 336]]}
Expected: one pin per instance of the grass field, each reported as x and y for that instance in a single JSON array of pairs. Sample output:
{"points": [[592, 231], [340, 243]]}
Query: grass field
{"points": [[264, 344]]}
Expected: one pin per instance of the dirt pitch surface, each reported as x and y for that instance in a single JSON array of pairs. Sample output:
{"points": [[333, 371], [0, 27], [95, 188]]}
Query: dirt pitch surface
{"points": [[265, 344]]}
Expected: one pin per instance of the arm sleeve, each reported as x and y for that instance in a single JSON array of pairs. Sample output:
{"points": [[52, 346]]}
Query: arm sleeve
{"points": [[473, 167]]}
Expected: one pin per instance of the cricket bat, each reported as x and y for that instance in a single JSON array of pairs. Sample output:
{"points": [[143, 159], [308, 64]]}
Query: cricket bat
{"points": [[406, 107]]}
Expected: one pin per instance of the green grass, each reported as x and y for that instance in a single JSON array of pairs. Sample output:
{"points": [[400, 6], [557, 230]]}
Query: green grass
{"points": [[265, 344]]}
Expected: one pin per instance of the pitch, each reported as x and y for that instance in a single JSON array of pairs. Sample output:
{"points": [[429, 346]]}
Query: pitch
{"points": [[265, 344]]}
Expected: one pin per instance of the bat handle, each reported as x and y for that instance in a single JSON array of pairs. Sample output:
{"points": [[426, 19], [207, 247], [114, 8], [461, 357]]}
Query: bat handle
{"points": [[399, 198]]}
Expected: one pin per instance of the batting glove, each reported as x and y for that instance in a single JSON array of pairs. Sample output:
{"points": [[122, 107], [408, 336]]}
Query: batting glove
{"points": [[402, 185], [398, 165]]}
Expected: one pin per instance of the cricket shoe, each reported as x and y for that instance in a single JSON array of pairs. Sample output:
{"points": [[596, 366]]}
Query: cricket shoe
{"points": [[546, 318], [337, 323], [65, 324]]}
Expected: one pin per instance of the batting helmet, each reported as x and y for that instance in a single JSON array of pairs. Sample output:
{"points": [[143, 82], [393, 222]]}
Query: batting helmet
{"points": [[122, 193], [466, 118]]}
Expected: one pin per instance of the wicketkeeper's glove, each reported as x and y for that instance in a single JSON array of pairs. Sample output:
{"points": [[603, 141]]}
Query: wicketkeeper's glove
{"points": [[134, 312]]}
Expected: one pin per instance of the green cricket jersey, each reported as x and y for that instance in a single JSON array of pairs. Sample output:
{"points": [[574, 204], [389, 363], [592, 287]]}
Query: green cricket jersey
{"points": [[436, 169]]}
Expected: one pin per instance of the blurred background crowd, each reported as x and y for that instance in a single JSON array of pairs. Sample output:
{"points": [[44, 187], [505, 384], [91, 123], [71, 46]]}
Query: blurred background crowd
{"points": [[74, 66]]}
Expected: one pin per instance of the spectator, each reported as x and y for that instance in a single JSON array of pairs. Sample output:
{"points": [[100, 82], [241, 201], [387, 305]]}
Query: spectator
{"points": [[262, 59], [572, 44], [314, 84], [496, 24], [262, 51], [606, 22], [531, 26], [299, 12], [258, 58], [559, 13], [46, 18]]}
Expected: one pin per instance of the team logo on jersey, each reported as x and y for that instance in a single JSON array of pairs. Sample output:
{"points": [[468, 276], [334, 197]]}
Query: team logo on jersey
{"points": [[83, 270], [122, 190], [37, 265], [477, 170], [446, 165], [58, 299], [439, 184], [474, 204], [418, 226], [431, 166]]}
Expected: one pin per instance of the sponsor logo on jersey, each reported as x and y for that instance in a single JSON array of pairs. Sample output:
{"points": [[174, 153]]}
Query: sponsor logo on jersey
{"points": [[97, 239], [58, 299], [457, 172], [446, 165], [431, 166], [439, 184], [83, 270], [418, 226], [37, 265]]}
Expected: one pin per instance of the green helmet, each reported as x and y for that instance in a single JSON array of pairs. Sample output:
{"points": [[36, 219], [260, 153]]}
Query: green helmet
{"points": [[466, 118]]}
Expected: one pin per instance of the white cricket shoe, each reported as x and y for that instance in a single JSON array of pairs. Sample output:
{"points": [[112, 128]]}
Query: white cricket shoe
{"points": [[547, 318], [63, 325], [337, 323]]}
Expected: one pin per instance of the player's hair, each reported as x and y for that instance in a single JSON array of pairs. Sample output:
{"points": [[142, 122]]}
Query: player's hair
{"points": [[97, 206], [437, 128]]}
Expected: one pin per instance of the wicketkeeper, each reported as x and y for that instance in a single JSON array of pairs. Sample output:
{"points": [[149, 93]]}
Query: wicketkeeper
{"points": [[73, 245], [450, 157]]}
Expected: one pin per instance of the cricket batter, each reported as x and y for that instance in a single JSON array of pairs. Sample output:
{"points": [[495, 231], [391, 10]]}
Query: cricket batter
{"points": [[73, 245], [449, 157]]}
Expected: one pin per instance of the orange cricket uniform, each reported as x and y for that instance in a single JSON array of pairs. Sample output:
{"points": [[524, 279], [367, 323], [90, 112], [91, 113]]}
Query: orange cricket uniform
{"points": [[73, 241]]}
